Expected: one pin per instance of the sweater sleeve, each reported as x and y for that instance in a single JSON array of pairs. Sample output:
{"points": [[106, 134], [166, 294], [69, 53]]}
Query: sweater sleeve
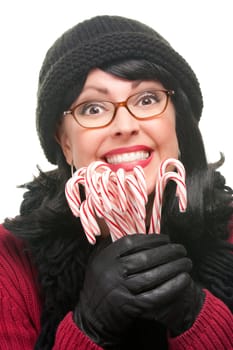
{"points": [[19, 301], [213, 329], [69, 336]]}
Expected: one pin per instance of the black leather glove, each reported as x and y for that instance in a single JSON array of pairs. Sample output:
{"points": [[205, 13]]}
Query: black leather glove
{"points": [[180, 313], [128, 279]]}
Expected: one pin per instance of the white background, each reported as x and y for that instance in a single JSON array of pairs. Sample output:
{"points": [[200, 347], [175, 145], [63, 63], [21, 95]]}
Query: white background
{"points": [[200, 30]]}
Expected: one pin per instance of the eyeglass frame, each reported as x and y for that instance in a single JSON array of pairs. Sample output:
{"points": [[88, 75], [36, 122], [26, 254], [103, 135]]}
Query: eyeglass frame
{"points": [[168, 93]]}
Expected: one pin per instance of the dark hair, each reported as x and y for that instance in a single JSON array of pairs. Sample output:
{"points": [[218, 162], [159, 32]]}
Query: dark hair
{"points": [[189, 137], [57, 241], [204, 183]]}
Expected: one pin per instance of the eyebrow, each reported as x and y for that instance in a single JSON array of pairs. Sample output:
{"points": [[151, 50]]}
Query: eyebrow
{"points": [[104, 90]]}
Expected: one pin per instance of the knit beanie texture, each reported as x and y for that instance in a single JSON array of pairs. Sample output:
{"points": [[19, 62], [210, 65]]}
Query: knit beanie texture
{"points": [[93, 43]]}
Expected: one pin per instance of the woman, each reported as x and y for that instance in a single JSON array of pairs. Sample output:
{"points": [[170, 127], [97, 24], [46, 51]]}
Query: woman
{"points": [[167, 291]]}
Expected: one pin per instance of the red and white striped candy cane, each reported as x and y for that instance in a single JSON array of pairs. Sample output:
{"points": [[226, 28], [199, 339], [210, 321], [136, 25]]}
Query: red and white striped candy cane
{"points": [[120, 199], [163, 178]]}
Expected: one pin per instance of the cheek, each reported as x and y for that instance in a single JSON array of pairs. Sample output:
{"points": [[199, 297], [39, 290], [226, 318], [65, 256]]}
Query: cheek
{"points": [[80, 151], [85, 145], [80, 146], [163, 133]]}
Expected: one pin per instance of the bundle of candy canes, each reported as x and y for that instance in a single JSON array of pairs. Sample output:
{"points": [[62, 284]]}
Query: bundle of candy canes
{"points": [[120, 198]]}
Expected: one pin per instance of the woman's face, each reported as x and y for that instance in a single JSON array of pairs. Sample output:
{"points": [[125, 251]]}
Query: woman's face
{"points": [[126, 141]]}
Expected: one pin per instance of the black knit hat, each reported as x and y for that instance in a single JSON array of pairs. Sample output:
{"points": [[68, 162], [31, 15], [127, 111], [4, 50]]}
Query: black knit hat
{"points": [[94, 43]]}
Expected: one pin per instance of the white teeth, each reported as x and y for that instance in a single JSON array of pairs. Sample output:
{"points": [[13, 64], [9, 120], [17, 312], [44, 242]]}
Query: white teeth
{"points": [[127, 157]]}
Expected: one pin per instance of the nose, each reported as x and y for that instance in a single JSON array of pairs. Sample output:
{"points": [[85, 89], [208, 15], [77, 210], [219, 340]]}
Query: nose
{"points": [[124, 124]]}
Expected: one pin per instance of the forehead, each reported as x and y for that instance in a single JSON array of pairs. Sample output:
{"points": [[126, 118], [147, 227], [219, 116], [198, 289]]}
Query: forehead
{"points": [[106, 83]]}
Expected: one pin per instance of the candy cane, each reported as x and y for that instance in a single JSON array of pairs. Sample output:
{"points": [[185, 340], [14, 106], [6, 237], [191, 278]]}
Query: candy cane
{"points": [[163, 178], [120, 199]]}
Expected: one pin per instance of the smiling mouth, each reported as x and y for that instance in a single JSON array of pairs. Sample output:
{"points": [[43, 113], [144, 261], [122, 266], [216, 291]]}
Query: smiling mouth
{"points": [[127, 157]]}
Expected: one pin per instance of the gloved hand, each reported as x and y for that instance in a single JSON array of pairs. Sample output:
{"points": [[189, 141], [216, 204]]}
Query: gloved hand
{"points": [[136, 276], [179, 314]]}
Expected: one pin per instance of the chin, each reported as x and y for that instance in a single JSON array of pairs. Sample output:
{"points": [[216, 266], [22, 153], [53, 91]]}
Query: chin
{"points": [[150, 187], [151, 179]]}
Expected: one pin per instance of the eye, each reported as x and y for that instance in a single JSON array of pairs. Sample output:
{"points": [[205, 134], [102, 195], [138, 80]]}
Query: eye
{"points": [[148, 98], [91, 108]]}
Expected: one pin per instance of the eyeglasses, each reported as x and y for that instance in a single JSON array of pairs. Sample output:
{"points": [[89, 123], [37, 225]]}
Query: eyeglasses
{"points": [[143, 105]]}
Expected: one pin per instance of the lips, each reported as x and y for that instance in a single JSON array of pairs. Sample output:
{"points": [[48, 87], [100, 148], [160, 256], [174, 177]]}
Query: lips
{"points": [[128, 158]]}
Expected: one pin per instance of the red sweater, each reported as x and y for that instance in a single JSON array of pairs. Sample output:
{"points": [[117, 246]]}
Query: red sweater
{"points": [[20, 310]]}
